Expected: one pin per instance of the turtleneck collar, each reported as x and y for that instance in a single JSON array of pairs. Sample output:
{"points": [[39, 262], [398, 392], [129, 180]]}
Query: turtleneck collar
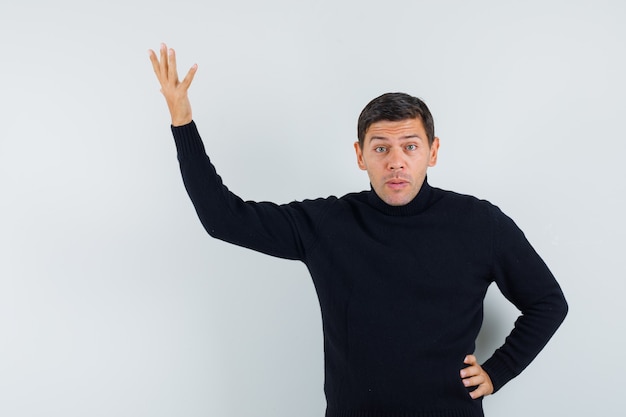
{"points": [[415, 206]]}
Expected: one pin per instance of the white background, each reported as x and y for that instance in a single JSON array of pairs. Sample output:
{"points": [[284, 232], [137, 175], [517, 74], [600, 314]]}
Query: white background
{"points": [[115, 302]]}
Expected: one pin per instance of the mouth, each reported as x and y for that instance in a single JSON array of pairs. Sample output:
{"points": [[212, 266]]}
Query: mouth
{"points": [[396, 183]]}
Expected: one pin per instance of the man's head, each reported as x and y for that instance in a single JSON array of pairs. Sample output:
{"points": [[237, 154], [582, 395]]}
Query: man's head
{"points": [[396, 146], [394, 107]]}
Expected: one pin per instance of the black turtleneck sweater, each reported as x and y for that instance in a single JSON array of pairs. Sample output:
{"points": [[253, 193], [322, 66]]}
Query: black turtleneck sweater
{"points": [[401, 288]]}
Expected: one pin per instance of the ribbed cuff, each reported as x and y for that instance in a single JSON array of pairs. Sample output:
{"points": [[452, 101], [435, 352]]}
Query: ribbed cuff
{"points": [[187, 140], [498, 372]]}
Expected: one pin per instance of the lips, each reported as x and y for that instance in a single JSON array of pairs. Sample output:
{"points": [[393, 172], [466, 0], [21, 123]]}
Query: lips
{"points": [[396, 183]]}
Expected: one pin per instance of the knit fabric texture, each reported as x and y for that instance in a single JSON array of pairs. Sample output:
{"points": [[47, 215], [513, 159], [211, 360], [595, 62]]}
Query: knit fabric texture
{"points": [[401, 288]]}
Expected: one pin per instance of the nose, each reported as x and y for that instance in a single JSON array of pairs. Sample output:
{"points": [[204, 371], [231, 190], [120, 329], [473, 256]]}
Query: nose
{"points": [[396, 160]]}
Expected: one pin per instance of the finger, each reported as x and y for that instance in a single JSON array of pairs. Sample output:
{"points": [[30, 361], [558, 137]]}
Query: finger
{"points": [[172, 74], [472, 368], [163, 62], [470, 360], [481, 391], [473, 381], [155, 64], [189, 77], [470, 371]]}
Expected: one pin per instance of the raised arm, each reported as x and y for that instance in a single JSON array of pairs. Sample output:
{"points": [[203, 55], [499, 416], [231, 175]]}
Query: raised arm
{"points": [[175, 91], [278, 230]]}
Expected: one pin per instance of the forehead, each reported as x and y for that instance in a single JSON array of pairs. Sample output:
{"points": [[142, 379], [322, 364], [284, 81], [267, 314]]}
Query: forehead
{"points": [[387, 129]]}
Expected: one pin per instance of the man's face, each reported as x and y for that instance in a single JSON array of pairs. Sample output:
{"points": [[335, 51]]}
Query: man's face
{"points": [[396, 156]]}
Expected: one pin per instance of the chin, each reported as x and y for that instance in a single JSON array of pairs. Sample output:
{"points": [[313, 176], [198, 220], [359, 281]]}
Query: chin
{"points": [[398, 204], [397, 201], [401, 198]]}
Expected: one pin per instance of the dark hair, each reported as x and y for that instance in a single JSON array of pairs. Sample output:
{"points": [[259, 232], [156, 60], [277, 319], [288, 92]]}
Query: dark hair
{"points": [[395, 107]]}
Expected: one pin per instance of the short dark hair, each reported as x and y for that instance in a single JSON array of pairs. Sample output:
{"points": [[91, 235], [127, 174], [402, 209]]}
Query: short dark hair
{"points": [[395, 107]]}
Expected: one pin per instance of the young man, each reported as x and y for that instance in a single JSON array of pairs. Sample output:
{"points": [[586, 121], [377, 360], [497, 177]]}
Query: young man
{"points": [[400, 271]]}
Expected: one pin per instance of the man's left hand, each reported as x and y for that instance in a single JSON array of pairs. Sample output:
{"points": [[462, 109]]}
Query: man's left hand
{"points": [[475, 376]]}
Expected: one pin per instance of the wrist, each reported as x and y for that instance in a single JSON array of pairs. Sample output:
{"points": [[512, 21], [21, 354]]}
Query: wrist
{"points": [[181, 121], [180, 112]]}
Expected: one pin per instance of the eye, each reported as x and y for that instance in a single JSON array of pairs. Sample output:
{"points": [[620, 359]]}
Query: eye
{"points": [[411, 147], [380, 149]]}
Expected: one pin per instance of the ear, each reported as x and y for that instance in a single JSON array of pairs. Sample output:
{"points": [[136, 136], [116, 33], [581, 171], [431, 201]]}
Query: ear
{"points": [[359, 156], [434, 150]]}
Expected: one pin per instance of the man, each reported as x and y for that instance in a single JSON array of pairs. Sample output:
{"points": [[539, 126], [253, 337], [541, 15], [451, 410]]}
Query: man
{"points": [[400, 271]]}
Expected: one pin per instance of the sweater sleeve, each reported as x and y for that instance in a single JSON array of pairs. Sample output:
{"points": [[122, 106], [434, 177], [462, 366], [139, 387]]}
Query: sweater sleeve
{"points": [[278, 230], [525, 280]]}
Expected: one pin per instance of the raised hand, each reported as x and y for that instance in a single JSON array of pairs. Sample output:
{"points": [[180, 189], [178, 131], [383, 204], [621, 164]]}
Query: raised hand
{"points": [[175, 91]]}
